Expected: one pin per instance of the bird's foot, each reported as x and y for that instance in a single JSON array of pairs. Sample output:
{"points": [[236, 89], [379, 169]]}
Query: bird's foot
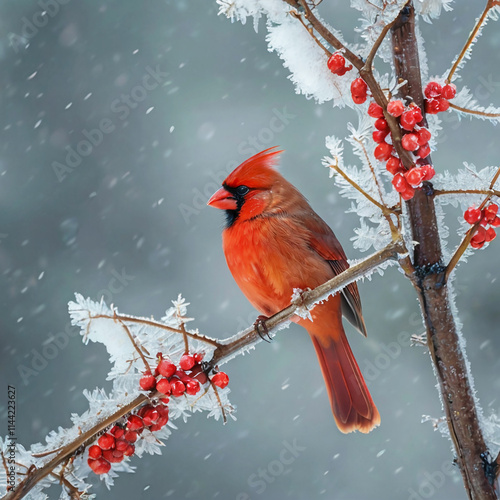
{"points": [[261, 328]]}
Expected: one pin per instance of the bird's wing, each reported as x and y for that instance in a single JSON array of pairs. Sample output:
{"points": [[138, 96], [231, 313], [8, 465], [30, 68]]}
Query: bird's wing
{"points": [[324, 242]]}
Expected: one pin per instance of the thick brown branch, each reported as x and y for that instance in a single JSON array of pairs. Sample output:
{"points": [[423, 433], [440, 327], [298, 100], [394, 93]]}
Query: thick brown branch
{"points": [[430, 283]]}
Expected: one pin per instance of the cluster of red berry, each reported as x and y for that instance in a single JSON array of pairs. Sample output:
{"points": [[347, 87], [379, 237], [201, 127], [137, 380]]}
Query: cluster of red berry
{"points": [[438, 97], [168, 380], [415, 139], [336, 64], [486, 217]]}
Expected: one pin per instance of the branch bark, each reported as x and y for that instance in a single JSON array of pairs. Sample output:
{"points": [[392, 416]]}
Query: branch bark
{"points": [[430, 282]]}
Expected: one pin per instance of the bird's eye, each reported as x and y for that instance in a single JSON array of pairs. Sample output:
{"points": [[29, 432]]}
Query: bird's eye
{"points": [[242, 190]]}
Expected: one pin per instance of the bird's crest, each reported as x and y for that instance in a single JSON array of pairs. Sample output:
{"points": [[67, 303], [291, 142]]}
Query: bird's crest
{"points": [[256, 172]]}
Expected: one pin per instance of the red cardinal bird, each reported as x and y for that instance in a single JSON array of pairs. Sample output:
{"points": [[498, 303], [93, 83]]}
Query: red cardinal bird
{"points": [[274, 242]]}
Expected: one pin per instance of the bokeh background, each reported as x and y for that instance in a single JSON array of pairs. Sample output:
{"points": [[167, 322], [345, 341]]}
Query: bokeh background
{"points": [[133, 208]]}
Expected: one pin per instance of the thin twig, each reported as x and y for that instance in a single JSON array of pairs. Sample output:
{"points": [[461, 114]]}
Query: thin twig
{"points": [[134, 343], [297, 15], [384, 209], [489, 5], [474, 111], [491, 192]]}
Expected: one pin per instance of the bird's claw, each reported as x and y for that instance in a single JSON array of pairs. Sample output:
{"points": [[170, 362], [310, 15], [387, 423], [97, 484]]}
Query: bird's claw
{"points": [[261, 328]]}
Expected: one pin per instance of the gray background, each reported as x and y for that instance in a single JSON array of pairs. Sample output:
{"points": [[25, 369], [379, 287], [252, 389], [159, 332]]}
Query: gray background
{"points": [[105, 217]]}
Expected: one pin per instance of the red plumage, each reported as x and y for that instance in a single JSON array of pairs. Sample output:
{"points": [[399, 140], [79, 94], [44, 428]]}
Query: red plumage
{"points": [[274, 242]]}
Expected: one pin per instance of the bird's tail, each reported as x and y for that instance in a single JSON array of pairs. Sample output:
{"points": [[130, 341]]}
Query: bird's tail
{"points": [[352, 405]]}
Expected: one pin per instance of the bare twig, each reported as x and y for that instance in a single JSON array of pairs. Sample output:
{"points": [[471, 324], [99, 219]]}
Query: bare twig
{"points": [[474, 111], [489, 5]]}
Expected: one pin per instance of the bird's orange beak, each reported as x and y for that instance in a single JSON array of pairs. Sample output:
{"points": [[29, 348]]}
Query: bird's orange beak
{"points": [[223, 199]]}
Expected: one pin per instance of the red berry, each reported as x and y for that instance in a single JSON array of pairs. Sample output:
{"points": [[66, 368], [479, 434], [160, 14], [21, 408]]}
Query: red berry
{"points": [[129, 451], [417, 114], [433, 89], [113, 456], [449, 91], [496, 221], [443, 104], [424, 151], [99, 466], [400, 183], [490, 234], [359, 90], [198, 357], [394, 165], [220, 379], [178, 388], [479, 235], [121, 445], [150, 416], [395, 108], [423, 136], [192, 387], [117, 431], [381, 124], [187, 362], [95, 451], [476, 244], [432, 107], [147, 381], [383, 151], [379, 135], [199, 374], [472, 215], [134, 423], [429, 172], [166, 368], [375, 111], [408, 120], [408, 194], [106, 442], [410, 142], [336, 64], [415, 176], [163, 386], [130, 436], [490, 212]]}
